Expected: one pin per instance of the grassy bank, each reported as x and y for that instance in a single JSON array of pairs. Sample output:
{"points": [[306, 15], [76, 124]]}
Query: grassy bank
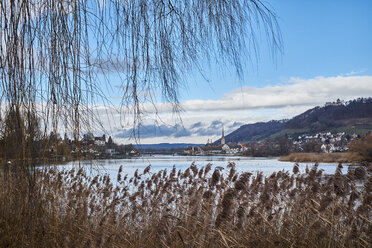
{"points": [[194, 208], [339, 157]]}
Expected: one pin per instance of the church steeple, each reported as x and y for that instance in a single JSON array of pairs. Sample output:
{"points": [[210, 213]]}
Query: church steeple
{"points": [[223, 137]]}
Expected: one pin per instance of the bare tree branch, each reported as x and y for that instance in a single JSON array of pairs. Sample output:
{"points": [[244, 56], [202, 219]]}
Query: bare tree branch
{"points": [[53, 51]]}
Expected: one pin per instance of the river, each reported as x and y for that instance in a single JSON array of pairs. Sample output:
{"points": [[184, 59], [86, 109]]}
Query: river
{"points": [[161, 162]]}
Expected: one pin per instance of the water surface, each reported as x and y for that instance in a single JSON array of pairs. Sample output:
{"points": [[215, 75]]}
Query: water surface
{"points": [[162, 162]]}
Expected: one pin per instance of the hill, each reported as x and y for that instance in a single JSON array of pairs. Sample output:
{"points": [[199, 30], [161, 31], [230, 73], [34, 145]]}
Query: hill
{"points": [[254, 132], [350, 117], [332, 115]]}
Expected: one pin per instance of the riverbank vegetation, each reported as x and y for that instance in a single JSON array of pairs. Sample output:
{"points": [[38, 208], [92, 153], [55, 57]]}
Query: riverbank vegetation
{"points": [[198, 207], [337, 157]]}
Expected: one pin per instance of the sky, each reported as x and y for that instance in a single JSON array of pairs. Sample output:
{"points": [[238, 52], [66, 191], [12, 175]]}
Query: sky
{"points": [[327, 55]]}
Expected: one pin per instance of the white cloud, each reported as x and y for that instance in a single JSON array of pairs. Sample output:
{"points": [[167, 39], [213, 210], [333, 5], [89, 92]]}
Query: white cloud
{"points": [[248, 105], [298, 92]]}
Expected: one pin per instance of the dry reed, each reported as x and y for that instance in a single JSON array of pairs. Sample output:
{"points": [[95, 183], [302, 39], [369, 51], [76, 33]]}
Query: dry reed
{"points": [[193, 208], [338, 157]]}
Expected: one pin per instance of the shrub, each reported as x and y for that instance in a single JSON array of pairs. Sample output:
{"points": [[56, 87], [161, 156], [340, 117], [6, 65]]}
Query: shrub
{"points": [[363, 147]]}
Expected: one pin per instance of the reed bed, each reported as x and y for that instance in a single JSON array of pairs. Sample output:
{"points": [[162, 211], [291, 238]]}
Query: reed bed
{"points": [[337, 157], [198, 207]]}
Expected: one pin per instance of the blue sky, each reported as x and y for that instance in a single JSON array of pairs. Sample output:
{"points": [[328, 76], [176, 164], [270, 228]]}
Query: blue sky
{"points": [[327, 54], [320, 38]]}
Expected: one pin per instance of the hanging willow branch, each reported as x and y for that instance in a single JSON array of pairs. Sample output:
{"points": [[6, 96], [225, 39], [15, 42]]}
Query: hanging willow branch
{"points": [[56, 55]]}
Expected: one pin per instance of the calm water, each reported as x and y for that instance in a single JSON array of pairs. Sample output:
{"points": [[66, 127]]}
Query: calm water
{"points": [[161, 162]]}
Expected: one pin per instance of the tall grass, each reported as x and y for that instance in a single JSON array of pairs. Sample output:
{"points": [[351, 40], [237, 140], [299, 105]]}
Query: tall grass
{"points": [[337, 157], [198, 207], [363, 147]]}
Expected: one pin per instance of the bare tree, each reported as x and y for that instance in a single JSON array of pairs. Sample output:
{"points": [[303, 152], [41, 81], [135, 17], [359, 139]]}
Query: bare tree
{"points": [[54, 53]]}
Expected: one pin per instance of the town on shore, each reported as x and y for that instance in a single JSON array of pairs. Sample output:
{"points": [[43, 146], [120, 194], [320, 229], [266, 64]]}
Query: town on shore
{"points": [[101, 147]]}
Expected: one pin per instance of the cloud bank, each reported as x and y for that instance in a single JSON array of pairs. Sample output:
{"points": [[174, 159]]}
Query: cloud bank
{"points": [[297, 92]]}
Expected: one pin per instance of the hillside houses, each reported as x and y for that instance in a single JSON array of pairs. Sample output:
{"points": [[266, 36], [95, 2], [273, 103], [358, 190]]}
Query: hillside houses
{"points": [[325, 141]]}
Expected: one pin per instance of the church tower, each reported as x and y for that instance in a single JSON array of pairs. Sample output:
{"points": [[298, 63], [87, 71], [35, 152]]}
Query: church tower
{"points": [[223, 138]]}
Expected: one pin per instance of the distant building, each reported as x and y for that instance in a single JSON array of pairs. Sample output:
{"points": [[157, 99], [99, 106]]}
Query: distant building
{"points": [[100, 141], [226, 148], [223, 141], [337, 103], [88, 137], [111, 152]]}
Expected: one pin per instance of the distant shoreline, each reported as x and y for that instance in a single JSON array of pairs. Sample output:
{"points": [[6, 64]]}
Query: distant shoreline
{"points": [[338, 157]]}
